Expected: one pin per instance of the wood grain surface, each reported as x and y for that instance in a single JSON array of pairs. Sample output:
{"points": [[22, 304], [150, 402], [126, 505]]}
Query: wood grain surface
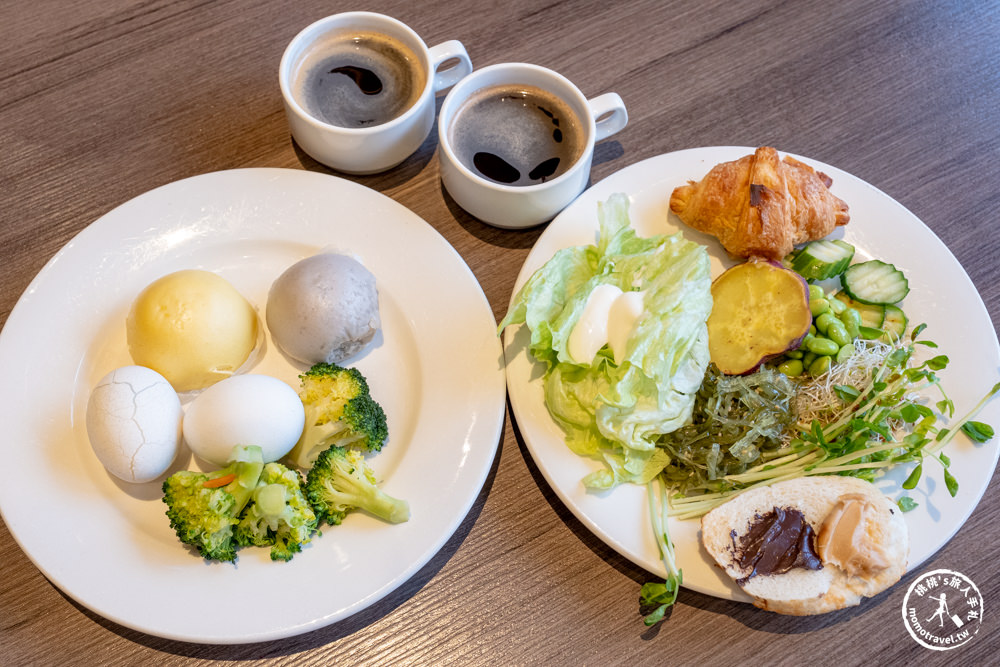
{"points": [[102, 100]]}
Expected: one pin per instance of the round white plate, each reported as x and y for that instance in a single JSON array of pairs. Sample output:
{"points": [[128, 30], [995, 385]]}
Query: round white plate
{"points": [[941, 295], [436, 367]]}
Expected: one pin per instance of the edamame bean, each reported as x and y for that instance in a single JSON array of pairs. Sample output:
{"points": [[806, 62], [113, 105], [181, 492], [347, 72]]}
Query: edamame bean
{"points": [[792, 367], [794, 354], [852, 320], [820, 345], [837, 306], [823, 321], [816, 292], [805, 339], [820, 365], [818, 306], [845, 353], [837, 332]]}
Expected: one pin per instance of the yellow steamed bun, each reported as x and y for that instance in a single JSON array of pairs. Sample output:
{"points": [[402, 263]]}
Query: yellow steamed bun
{"points": [[192, 327]]}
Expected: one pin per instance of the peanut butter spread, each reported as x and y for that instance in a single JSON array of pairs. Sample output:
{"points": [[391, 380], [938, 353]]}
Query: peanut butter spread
{"points": [[851, 537]]}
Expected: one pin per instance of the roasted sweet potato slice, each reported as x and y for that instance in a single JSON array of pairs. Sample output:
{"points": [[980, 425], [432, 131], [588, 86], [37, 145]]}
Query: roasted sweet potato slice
{"points": [[760, 309]]}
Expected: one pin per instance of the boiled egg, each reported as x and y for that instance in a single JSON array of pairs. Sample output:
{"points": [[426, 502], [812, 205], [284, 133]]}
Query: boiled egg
{"points": [[244, 410], [134, 423]]}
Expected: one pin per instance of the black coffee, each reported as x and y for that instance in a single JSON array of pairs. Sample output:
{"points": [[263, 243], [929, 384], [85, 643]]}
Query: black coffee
{"points": [[517, 135], [360, 80]]}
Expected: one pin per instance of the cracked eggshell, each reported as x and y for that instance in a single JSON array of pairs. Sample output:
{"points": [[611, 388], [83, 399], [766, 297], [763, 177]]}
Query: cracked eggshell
{"points": [[134, 422]]}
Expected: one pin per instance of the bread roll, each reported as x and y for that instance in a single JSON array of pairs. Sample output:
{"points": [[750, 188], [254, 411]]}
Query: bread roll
{"points": [[799, 592]]}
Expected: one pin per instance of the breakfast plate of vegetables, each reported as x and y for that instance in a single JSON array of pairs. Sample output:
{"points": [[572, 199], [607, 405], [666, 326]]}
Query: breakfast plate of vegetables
{"points": [[174, 375], [673, 351]]}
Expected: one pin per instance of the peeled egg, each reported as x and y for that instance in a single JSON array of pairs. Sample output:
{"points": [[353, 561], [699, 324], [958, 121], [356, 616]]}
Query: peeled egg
{"points": [[244, 410], [134, 423]]}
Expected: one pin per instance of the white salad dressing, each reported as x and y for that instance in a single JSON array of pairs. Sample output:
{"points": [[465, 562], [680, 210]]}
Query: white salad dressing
{"points": [[608, 318], [622, 319]]}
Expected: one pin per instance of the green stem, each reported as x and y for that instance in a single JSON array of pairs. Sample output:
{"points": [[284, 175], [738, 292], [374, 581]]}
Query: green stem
{"points": [[830, 470], [867, 451], [940, 444]]}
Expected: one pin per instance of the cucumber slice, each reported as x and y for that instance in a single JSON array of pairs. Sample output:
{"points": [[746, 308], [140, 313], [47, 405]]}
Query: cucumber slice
{"points": [[872, 315], [823, 259], [894, 323], [875, 282], [787, 260]]}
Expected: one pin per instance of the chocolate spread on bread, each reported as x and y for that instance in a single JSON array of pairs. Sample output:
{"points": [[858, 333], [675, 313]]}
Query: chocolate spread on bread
{"points": [[775, 543]]}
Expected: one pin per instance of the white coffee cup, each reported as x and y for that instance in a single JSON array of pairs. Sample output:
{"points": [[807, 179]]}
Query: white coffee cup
{"points": [[375, 148], [518, 206]]}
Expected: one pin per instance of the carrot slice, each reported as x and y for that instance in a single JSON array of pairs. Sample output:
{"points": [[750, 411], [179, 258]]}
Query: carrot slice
{"points": [[219, 481]]}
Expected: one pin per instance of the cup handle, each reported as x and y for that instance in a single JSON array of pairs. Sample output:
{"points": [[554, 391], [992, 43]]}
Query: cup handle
{"points": [[609, 114], [442, 53]]}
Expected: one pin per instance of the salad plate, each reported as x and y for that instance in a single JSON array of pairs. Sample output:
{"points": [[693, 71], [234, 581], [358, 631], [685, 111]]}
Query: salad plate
{"points": [[942, 296], [436, 366]]}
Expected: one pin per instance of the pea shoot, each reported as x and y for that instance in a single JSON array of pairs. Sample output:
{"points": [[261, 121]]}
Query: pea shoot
{"points": [[660, 596]]}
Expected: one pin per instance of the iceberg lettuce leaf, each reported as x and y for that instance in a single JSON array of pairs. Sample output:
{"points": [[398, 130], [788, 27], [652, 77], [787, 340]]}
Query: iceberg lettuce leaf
{"points": [[616, 412]]}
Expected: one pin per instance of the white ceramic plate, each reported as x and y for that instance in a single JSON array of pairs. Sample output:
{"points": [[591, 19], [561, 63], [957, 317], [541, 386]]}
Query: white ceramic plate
{"points": [[436, 367], [941, 295]]}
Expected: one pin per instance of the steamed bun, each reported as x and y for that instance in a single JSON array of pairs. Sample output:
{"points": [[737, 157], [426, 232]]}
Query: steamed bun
{"points": [[323, 309], [193, 327]]}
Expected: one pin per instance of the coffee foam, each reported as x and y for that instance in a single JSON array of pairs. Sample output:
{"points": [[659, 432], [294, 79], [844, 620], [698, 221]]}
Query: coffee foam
{"points": [[517, 123], [335, 99]]}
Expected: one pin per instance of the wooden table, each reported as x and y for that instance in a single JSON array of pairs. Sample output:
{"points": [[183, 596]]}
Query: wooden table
{"points": [[104, 100]]}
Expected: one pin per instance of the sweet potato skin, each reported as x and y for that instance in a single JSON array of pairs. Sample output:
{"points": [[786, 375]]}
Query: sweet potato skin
{"points": [[760, 309]]}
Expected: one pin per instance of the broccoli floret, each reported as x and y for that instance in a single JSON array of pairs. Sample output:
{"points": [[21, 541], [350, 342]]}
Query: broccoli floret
{"points": [[340, 481], [339, 411], [203, 508], [278, 514]]}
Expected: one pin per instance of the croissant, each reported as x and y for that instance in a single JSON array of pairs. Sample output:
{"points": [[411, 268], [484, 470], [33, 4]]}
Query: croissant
{"points": [[760, 206]]}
